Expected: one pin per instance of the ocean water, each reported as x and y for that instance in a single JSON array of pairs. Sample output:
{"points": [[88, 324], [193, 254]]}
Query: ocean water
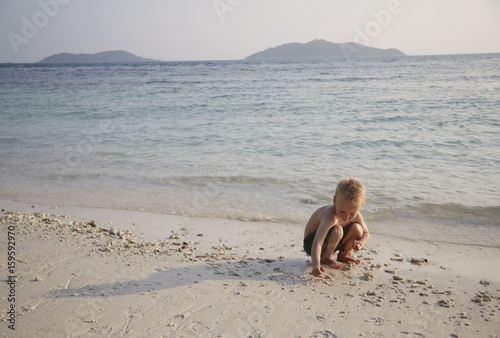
{"points": [[262, 140]]}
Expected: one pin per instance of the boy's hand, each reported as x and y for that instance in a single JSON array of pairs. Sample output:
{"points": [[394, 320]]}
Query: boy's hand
{"points": [[316, 272], [357, 245]]}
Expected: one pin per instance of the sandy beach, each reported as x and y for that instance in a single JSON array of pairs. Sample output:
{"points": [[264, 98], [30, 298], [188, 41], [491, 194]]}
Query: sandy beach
{"points": [[94, 272]]}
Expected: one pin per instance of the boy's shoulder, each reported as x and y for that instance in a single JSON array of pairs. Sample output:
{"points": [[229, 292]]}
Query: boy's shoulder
{"points": [[324, 209], [327, 211]]}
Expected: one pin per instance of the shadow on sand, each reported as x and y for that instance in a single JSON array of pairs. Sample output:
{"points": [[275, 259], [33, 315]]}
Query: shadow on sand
{"points": [[286, 271]]}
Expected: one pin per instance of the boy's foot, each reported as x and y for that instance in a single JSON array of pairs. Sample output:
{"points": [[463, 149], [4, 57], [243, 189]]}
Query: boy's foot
{"points": [[331, 263]]}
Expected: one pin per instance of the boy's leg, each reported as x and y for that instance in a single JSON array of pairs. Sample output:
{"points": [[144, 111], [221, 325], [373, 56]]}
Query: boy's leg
{"points": [[355, 233], [326, 256]]}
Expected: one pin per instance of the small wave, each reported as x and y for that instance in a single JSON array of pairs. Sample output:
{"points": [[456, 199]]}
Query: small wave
{"points": [[438, 223], [8, 140], [308, 201], [219, 180], [440, 212], [316, 79], [355, 78], [159, 81]]}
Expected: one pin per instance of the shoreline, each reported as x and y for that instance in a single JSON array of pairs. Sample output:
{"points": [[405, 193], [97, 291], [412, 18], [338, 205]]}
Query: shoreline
{"points": [[218, 277], [411, 227]]}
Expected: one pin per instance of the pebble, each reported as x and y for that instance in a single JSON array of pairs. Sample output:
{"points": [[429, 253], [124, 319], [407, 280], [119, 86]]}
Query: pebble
{"points": [[446, 303], [321, 317], [369, 276], [482, 296], [419, 261], [398, 278]]}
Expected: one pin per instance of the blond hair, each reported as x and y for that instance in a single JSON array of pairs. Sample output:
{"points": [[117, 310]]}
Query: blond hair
{"points": [[352, 190]]}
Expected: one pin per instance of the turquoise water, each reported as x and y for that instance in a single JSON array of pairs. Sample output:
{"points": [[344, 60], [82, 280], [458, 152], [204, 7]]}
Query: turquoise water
{"points": [[258, 140]]}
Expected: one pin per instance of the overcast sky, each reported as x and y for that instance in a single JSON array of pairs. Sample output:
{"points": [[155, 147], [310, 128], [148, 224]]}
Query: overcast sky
{"points": [[171, 30]]}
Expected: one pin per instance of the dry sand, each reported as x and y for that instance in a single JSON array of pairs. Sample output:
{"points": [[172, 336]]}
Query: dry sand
{"points": [[88, 272]]}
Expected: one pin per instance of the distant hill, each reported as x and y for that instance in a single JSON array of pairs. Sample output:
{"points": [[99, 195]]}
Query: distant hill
{"points": [[111, 56], [323, 49]]}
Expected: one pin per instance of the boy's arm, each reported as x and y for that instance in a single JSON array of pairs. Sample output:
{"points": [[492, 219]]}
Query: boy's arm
{"points": [[315, 258], [366, 234], [324, 226]]}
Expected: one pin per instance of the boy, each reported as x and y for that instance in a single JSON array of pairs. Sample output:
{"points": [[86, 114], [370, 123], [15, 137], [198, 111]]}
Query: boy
{"points": [[338, 227]]}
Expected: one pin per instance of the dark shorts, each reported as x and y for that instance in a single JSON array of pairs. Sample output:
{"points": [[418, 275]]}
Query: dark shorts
{"points": [[308, 241]]}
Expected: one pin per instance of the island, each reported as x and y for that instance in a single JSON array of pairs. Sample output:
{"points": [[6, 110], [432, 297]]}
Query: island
{"points": [[103, 57], [323, 49]]}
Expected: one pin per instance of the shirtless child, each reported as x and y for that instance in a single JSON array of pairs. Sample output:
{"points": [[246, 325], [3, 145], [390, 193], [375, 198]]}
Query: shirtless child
{"points": [[338, 227]]}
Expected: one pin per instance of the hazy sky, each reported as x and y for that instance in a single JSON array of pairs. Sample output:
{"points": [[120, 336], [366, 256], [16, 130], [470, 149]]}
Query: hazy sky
{"points": [[233, 29]]}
